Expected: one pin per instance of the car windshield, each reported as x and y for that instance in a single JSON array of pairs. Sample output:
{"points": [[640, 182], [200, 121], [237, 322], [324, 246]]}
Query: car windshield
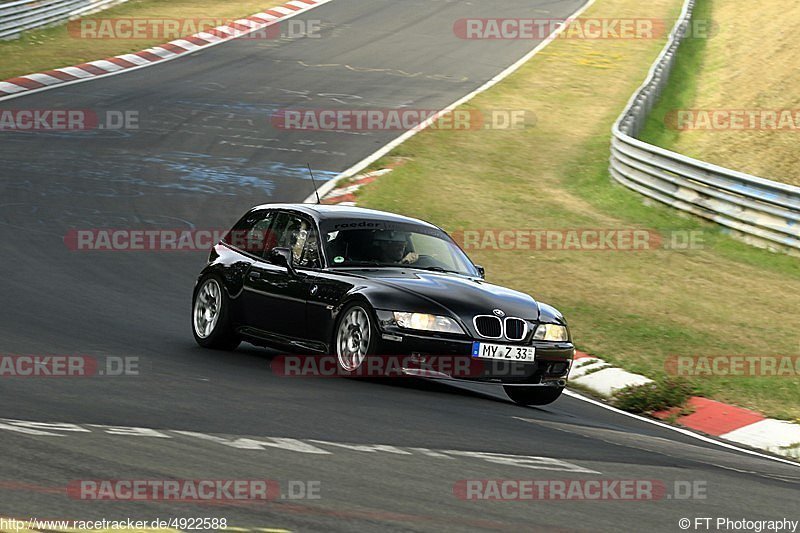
{"points": [[370, 243]]}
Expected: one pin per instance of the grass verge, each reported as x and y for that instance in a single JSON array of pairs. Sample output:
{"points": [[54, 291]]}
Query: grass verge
{"points": [[654, 396], [634, 309], [747, 63], [56, 47], [682, 90]]}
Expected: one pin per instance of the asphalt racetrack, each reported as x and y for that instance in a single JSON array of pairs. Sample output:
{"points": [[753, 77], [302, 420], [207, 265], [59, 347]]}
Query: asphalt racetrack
{"points": [[385, 455]]}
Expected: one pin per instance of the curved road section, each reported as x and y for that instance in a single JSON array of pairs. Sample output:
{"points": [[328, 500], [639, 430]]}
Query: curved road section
{"points": [[335, 454]]}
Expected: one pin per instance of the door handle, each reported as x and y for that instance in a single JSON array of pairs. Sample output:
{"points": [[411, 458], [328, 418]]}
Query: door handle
{"points": [[254, 275]]}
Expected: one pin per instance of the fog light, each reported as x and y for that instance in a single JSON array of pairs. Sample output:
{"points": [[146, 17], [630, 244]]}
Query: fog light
{"points": [[418, 358]]}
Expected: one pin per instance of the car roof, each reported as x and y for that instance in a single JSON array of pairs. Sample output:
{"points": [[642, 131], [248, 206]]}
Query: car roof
{"points": [[334, 212]]}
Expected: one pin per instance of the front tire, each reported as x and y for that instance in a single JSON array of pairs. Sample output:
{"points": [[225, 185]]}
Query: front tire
{"points": [[211, 316], [533, 395], [355, 337]]}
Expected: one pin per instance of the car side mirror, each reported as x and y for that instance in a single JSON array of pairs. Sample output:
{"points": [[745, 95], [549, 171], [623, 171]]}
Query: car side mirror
{"points": [[481, 271], [281, 257]]}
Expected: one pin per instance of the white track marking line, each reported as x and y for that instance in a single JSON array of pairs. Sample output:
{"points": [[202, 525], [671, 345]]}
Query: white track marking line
{"points": [[682, 431], [28, 431], [305, 446], [40, 428]]}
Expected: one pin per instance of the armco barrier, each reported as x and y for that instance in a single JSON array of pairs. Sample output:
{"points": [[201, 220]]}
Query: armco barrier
{"points": [[764, 212], [21, 15]]}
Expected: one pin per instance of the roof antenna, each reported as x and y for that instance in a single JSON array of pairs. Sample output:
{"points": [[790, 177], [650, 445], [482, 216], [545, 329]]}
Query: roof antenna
{"points": [[314, 183]]}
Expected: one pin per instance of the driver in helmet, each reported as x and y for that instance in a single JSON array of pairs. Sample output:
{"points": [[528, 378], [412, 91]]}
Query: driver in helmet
{"points": [[392, 247]]}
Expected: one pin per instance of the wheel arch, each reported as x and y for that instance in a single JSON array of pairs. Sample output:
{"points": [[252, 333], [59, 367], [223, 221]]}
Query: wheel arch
{"points": [[352, 297]]}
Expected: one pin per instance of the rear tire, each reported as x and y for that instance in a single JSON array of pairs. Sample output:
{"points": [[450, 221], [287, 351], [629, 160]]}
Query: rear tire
{"points": [[211, 316], [533, 395]]}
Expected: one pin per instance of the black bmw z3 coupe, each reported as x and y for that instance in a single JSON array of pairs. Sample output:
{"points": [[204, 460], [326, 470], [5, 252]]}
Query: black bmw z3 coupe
{"points": [[354, 284]]}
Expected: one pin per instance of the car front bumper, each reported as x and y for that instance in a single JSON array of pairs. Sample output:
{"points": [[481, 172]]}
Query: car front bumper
{"points": [[431, 356]]}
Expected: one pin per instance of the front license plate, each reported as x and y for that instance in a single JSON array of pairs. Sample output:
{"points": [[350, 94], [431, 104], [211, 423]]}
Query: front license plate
{"points": [[505, 352]]}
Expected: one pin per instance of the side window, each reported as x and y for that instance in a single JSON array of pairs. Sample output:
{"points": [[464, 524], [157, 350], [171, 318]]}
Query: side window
{"points": [[310, 256], [252, 233], [299, 235]]}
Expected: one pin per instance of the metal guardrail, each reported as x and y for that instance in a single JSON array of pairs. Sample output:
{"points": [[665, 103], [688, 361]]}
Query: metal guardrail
{"points": [[21, 15], [764, 212]]}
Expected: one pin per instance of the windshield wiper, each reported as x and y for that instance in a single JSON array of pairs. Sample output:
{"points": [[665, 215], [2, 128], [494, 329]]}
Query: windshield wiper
{"points": [[359, 264], [434, 269], [364, 264]]}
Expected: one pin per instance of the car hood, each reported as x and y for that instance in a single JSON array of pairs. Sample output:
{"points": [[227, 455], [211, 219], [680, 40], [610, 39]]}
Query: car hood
{"points": [[462, 296]]}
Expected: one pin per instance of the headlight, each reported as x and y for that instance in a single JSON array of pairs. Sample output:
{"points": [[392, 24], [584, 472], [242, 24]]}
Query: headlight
{"points": [[551, 332], [421, 321]]}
